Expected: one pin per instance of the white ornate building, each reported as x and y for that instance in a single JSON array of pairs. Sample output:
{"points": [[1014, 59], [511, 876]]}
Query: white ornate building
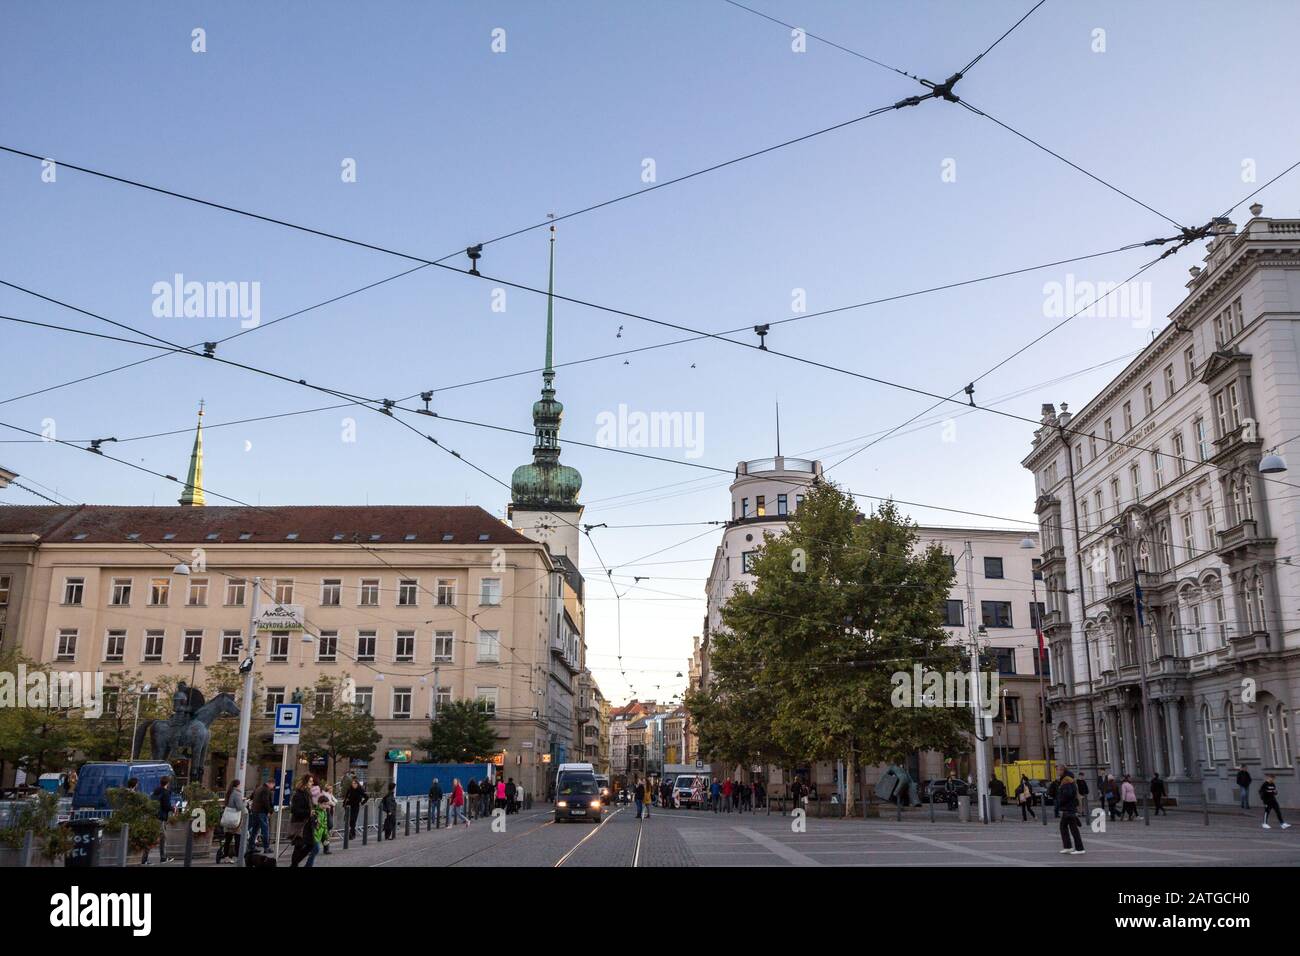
{"points": [[1168, 555]]}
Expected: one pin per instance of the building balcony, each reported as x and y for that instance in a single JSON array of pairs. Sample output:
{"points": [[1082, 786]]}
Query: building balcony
{"points": [[1242, 540], [1252, 644], [1122, 590]]}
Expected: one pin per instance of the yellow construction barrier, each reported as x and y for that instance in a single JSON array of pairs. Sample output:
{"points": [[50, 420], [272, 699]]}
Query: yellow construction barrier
{"points": [[1011, 773]]}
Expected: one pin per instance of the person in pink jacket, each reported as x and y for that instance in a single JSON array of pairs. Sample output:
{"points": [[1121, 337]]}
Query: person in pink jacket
{"points": [[1128, 796], [457, 803]]}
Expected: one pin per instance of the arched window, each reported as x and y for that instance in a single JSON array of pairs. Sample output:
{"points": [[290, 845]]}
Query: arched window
{"points": [[1284, 734], [1171, 635], [1105, 740], [1271, 732], [1260, 616], [1234, 748], [1207, 728]]}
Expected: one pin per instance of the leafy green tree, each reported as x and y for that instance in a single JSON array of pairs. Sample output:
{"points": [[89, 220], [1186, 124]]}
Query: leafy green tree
{"points": [[841, 604], [108, 736], [461, 734], [340, 730], [36, 739]]}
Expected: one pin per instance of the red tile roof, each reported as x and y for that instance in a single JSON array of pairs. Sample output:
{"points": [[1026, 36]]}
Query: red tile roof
{"points": [[310, 524]]}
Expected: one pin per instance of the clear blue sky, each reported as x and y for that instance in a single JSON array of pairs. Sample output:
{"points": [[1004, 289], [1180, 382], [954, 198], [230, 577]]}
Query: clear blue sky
{"points": [[455, 144]]}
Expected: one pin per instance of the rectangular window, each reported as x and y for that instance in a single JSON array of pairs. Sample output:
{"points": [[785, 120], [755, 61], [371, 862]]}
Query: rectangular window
{"points": [[1092, 447], [406, 592], [324, 699], [798, 502], [1210, 527], [365, 645], [1128, 416], [747, 561], [1158, 469], [231, 642], [489, 647], [331, 592], [446, 592], [284, 590], [442, 696], [1036, 611], [995, 613], [1135, 476], [782, 504], [1219, 337], [1169, 381], [121, 592], [327, 647], [744, 507], [443, 645], [760, 505], [274, 697], [364, 700], [1004, 658], [401, 703], [235, 590], [153, 646], [1115, 496], [1012, 708], [404, 647], [490, 592], [953, 615], [160, 591], [1189, 537], [198, 592], [369, 593], [487, 699], [192, 646], [1226, 409], [115, 647], [74, 589], [1180, 453], [1083, 515], [1109, 432], [1202, 440], [279, 652], [67, 648], [1101, 506], [1148, 398], [1189, 362], [993, 567]]}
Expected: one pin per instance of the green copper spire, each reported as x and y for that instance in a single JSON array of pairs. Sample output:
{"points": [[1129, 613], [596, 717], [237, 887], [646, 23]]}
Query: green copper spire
{"points": [[192, 496], [545, 484]]}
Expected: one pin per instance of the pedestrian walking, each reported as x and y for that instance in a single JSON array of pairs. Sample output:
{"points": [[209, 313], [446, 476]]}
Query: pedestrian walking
{"points": [[1068, 801], [715, 795], [1128, 796], [1158, 794], [501, 794], [1025, 797], [389, 806], [1111, 793], [456, 808], [760, 794], [1052, 789], [511, 792], [302, 823], [950, 791], [471, 798], [163, 794], [726, 795], [230, 835], [1268, 796], [638, 796], [1243, 783], [435, 802], [1082, 786], [353, 800]]}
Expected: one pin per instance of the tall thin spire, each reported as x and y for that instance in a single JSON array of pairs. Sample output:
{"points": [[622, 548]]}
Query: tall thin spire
{"points": [[550, 303], [192, 496], [778, 429]]}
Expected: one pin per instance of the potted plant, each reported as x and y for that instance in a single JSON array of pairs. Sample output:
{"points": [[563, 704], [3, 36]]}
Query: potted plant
{"points": [[39, 815], [135, 810], [196, 797]]}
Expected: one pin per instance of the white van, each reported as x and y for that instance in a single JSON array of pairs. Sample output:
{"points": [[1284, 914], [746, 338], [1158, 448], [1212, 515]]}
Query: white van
{"points": [[577, 795]]}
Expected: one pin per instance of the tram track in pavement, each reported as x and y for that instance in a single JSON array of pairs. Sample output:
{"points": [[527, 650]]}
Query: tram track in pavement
{"points": [[600, 826]]}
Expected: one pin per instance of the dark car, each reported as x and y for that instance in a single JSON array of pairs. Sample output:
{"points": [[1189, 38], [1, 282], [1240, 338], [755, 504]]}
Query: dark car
{"points": [[936, 791], [577, 798]]}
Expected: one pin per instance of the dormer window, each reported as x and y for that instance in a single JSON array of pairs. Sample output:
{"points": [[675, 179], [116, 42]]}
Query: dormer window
{"points": [[80, 536], [213, 536], [170, 535], [448, 536], [291, 536], [409, 537], [483, 537], [133, 536], [245, 536], [338, 536], [375, 537]]}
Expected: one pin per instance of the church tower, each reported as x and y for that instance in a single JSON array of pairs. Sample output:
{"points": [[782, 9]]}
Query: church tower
{"points": [[192, 496], [544, 494]]}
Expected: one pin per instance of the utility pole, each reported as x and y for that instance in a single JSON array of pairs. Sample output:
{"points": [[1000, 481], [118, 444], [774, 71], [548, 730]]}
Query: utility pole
{"points": [[981, 758], [1037, 615], [246, 707]]}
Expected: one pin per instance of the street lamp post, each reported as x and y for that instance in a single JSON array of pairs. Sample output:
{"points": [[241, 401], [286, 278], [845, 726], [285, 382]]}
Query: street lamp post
{"points": [[981, 758], [135, 725], [1132, 534]]}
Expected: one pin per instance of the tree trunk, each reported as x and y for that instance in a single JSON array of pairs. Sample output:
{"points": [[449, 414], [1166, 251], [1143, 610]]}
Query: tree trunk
{"points": [[849, 773]]}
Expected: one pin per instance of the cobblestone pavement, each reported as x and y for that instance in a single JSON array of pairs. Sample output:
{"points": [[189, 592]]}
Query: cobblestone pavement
{"points": [[694, 838]]}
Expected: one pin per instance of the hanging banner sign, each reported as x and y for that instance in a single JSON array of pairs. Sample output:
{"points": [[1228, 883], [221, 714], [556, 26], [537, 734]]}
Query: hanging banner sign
{"points": [[280, 617]]}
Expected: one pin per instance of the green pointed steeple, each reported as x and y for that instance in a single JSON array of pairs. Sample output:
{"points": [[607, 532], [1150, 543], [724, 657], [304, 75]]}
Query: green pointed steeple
{"points": [[192, 496], [546, 484]]}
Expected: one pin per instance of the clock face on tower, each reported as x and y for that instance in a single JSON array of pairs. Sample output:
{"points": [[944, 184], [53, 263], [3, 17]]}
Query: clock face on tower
{"points": [[544, 528]]}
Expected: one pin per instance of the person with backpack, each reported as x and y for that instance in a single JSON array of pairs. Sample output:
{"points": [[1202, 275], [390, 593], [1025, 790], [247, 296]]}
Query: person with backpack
{"points": [[1025, 797], [1082, 786], [166, 800], [1110, 793], [512, 791], [1268, 796], [302, 823]]}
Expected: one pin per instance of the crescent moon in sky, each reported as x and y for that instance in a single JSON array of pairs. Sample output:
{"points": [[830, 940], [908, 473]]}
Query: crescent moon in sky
{"points": [[248, 445]]}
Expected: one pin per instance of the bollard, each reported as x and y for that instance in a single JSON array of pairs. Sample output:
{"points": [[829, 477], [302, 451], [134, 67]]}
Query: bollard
{"points": [[931, 807], [408, 818], [365, 823], [1205, 806], [189, 846], [898, 809], [1146, 813], [124, 842], [418, 814], [1031, 797], [25, 854]]}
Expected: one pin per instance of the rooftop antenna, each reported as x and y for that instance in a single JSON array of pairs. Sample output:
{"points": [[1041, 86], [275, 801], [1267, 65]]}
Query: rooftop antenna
{"points": [[778, 428]]}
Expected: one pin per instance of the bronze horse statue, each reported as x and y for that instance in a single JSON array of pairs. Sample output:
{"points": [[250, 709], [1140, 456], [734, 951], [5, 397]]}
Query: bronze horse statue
{"points": [[171, 737]]}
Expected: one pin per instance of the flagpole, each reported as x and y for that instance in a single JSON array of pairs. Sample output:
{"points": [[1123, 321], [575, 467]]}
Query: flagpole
{"points": [[1148, 755]]}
